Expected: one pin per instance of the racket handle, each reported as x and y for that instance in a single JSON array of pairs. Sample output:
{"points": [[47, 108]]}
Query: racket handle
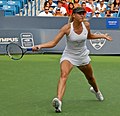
{"points": [[29, 49]]}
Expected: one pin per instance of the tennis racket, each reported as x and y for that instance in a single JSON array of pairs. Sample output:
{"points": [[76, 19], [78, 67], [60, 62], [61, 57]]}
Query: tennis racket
{"points": [[15, 51]]}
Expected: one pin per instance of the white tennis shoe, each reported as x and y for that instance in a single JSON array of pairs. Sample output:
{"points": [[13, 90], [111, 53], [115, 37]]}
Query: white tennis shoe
{"points": [[98, 94], [57, 105]]}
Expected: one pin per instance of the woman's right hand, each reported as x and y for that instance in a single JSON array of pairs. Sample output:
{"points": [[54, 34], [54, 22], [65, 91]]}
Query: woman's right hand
{"points": [[36, 48]]}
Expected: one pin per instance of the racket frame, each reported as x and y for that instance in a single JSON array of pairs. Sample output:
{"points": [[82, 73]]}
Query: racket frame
{"points": [[23, 50]]}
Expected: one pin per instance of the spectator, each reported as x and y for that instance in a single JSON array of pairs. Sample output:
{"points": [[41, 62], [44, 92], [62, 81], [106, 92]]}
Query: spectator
{"points": [[97, 14], [108, 13], [76, 3], [115, 6], [58, 13], [70, 8], [52, 4], [87, 9], [101, 6], [45, 12], [64, 4], [46, 3], [90, 4], [62, 9], [69, 1], [110, 2]]}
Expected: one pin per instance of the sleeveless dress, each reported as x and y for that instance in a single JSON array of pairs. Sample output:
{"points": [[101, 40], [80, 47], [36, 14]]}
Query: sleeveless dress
{"points": [[76, 51]]}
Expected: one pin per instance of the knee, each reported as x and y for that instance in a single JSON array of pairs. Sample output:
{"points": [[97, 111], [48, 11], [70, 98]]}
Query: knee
{"points": [[64, 76]]}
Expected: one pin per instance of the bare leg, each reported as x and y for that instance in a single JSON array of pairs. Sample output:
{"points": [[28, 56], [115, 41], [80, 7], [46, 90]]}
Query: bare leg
{"points": [[65, 67], [88, 72]]}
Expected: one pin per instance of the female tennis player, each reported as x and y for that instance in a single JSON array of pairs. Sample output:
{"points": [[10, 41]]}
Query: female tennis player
{"points": [[75, 54]]}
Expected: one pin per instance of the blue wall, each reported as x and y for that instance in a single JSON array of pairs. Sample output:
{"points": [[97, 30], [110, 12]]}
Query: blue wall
{"points": [[43, 29]]}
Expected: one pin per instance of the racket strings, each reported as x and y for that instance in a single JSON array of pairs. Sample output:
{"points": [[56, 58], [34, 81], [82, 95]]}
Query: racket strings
{"points": [[14, 51]]}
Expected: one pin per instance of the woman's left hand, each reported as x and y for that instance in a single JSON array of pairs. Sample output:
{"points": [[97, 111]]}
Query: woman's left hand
{"points": [[107, 37]]}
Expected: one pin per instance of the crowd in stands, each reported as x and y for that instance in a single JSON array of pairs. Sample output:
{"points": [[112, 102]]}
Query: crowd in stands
{"points": [[94, 8]]}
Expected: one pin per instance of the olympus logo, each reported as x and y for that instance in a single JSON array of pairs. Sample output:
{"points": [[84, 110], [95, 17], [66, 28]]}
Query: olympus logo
{"points": [[98, 43], [8, 40]]}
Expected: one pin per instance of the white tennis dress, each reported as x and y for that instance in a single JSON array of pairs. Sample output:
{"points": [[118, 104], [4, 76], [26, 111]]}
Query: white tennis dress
{"points": [[76, 50]]}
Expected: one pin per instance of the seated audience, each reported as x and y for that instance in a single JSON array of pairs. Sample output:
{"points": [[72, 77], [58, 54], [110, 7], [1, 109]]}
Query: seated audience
{"points": [[70, 8], [108, 13], [62, 9], [45, 12], [65, 4], [58, 13], [87, 9], [101, 6], [52, 4], [76, 3], [115, 6], [91, 5], [109, 3], [46, 3], [97, 14]]}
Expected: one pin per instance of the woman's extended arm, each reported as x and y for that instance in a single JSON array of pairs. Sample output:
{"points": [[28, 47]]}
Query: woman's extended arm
{"points": [[53, 42], [96, 36]]}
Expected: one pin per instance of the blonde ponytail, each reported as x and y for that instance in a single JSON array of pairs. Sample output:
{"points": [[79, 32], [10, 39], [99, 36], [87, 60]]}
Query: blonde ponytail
{"points": [[70, 19]]}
